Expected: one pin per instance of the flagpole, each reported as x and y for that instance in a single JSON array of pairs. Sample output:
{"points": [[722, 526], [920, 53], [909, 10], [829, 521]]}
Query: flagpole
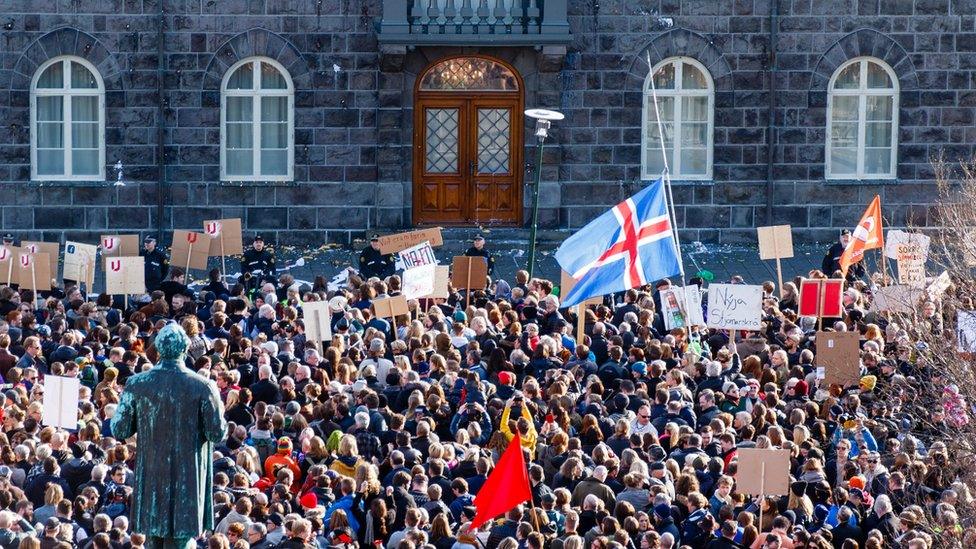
{"points": [[670, 196]]}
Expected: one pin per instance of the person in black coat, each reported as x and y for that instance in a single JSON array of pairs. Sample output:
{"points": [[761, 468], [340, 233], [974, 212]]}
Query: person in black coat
{"points": [[37, 486], [156, 264], [265, 390], [77, 470], [373, 263], [506, 529], [478, 249], [845, 530], [831, 261]]}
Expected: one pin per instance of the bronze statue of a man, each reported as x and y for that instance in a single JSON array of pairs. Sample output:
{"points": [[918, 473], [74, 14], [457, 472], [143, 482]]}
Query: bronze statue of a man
{"points": [[178, 417]]}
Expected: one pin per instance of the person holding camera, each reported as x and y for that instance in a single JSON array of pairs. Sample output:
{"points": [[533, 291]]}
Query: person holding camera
{"points": [[473, 412], [523, 425]]}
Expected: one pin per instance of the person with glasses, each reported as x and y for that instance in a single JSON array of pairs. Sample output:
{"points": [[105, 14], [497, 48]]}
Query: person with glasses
{"points": [[642, 423], [33, 357], [257, 536]]}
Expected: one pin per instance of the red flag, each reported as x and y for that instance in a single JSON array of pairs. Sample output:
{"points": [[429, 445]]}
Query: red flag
{"points": [[506, 486]]}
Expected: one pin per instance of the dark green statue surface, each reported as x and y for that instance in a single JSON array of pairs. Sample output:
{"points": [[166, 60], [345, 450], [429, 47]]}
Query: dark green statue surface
{"points": [[177, 416]]}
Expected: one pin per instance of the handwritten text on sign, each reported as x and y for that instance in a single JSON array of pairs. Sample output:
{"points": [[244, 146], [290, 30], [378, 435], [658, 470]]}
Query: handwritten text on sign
{"points": [[734, 306], [418, 256]]}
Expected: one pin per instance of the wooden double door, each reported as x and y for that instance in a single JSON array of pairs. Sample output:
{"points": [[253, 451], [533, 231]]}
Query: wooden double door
{"points": [[467, 163]]}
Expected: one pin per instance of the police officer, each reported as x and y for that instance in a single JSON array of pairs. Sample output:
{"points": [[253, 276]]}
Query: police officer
{"points": [[478, 250], [373, 263], [157, 264], [259, 258], [831, 261]]}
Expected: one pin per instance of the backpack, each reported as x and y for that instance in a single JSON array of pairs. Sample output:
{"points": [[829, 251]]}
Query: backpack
{"points": [[266, 447], [116, 502]]}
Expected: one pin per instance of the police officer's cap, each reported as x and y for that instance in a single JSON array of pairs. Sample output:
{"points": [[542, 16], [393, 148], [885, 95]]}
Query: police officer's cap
{"points": [[845, 232], [8, 237], [149, 240], [374, 238], [258, 238], [478, 237]]}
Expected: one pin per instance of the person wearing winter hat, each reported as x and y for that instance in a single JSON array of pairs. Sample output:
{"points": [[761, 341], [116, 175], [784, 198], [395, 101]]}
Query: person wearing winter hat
{"points": [[283, 458]]}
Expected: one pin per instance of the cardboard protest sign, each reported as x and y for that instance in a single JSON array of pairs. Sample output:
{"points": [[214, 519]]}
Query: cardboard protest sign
{"points": [[125, 275], [469, 273], [822, 297], [775, 242], [442, 279], [60, 404], [417, 256], [966, 331], [673, 303], [401, 241], [119, 245], [899, 298], [190, 250], [911, 270], [390, 307], [225, 237], [318, 322], [840, 355], [762, 472], [897, 242], [53, 251], [33, 271], [419, 281], [735, 306], [939, 285], [79, 262], [8, 257]]}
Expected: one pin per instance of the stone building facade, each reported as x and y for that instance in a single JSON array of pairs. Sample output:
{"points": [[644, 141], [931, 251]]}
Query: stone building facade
{"points": [[355, 122]]}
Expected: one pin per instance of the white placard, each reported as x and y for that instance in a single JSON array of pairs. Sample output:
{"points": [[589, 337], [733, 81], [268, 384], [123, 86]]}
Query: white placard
{"points": [[672, 301], [60, 406], [897, 239], [966, 331], [417, 256], [911, 270], [899, 298], [735, 306], [939, 285], [419, 281]]}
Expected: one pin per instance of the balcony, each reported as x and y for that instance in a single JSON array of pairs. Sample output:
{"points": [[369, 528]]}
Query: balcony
{"points": [[474, 23]]}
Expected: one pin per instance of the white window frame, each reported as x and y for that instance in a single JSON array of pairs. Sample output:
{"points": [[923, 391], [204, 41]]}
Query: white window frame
{"points": [[863, 92], [674, 163], [256, 93], [66, 92]]}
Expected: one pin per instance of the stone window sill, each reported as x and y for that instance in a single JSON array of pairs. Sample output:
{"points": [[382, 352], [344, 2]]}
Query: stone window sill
{"points": [[243, 184], [71, 184], [858, 182]]}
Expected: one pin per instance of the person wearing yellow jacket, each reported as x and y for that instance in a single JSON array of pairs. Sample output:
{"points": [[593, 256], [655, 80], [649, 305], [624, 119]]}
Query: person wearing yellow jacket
{"points": [[529, 436]]}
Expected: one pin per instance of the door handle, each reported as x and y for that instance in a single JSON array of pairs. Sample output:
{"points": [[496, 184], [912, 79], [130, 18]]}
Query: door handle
{"points": [[471, 168]]}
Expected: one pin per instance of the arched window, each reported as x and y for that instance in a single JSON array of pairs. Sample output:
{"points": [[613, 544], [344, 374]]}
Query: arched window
{"points": [[686, 101], [67, 121], [257, 119], [862, 121]]}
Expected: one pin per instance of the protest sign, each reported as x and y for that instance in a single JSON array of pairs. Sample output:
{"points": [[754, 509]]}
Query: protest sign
{"points": [[735, 306], [417, 256], [225, 236], [79, 262], [318, 322], [119, 245], [776, 242], [899, 298], [839, 354], [125, 275], [966, 331], [762, 472], [53, 251], [911, 270], [34, 271], [190, 250], [822, 297], [673, 303], [469, 273], [442, 279], [939, 285], [419, 281], [401, 241], [391, 307], [8, 256], [898, 241], [60, 404]]}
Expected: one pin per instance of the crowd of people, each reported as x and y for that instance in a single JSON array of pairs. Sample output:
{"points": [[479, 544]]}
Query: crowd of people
{"points": [[384, 435]]}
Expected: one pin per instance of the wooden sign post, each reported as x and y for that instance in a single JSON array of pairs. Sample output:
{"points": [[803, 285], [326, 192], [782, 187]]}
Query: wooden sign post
{"points": [[33, 268], [763, 472], [469, 273], [401, 241], [8, 255], [190, 249], [125, 276], [839, 355], [120, 245], [226, 238], [776, 242], [566, 283], [79, 263]]}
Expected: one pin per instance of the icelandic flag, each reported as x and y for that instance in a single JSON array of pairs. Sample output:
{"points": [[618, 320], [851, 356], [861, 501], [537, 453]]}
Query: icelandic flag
{"points": [[627, 247]]}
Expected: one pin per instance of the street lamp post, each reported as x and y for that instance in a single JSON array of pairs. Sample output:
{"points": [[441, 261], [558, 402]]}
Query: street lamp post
{"points": [[543, 121]]}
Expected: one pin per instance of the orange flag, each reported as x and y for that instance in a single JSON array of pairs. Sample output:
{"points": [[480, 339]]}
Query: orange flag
{"points": [[506, 486], [867, 236]]}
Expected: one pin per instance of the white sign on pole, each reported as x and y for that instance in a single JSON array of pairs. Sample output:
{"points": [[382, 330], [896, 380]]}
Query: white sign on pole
{"points": [[939, 285], [419, 281], [897, 238], [60, 406], [735, 306], [673, 302], [966, 331], [417, 256], [911, 270]]}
